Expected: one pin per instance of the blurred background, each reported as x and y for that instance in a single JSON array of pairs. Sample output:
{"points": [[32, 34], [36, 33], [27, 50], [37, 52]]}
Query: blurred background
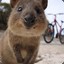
{"points": [[5, 10]]}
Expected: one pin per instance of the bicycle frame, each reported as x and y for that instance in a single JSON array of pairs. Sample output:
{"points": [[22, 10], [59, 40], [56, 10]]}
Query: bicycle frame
{"points": [[50, 31], [57, 24]]}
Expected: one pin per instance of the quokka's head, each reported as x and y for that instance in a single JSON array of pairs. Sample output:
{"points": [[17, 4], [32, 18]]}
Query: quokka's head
{"points": [[27, 17]]}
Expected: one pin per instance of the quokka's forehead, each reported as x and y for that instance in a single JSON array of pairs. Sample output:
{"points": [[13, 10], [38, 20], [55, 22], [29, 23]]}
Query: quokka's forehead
{"points": [[29, 1], [17, 2]]}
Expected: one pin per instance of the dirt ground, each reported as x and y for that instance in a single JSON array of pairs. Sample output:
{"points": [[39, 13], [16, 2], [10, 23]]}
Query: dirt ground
{"points": [[50, 53]]}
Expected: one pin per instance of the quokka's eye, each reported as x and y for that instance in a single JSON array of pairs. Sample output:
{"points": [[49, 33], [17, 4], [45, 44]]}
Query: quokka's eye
{"points": [[38, 10], [19, 9]]}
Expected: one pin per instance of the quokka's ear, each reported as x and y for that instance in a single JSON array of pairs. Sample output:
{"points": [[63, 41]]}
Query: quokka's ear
{"points": [[44, 3], [13, 2]]}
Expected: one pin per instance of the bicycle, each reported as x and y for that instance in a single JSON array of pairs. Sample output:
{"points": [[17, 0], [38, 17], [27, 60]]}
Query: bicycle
{"points": [[49, 33]]}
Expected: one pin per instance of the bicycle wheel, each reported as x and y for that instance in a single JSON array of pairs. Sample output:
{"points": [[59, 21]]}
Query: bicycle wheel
{"points": [[61, 36], [49, 34]]}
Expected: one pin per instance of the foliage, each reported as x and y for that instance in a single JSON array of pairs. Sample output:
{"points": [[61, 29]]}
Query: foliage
{"points": [[5, 10], [63, 0]]}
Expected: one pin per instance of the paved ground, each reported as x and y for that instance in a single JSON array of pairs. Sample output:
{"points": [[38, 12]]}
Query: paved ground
{"points": [[51, 53]]}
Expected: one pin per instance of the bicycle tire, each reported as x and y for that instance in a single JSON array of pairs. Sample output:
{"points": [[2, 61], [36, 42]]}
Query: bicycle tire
{"points": [[49, 34], [61, 36]]}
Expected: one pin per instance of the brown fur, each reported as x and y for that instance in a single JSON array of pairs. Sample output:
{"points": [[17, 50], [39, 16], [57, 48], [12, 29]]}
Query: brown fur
{"points": [[20, 44]]}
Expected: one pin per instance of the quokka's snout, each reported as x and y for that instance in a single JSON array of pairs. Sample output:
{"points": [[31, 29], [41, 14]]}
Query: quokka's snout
{"points": [[29, 20]]}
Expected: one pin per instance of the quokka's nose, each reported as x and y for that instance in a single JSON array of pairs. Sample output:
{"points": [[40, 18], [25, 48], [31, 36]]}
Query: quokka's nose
{"points": [[29, 20]]}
